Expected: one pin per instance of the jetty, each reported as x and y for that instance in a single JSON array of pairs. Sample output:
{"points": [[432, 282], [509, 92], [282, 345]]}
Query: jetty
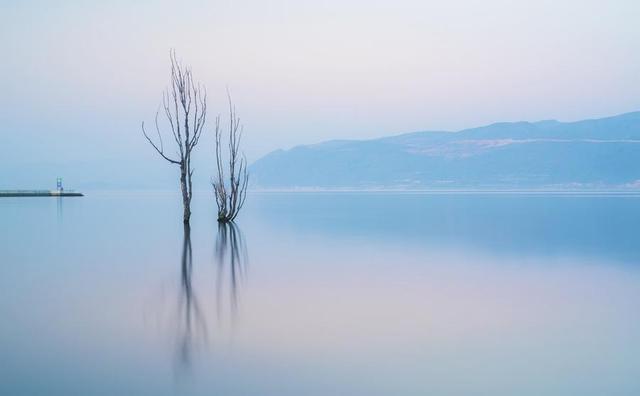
{"points": [[39, 193], [58, 192]]}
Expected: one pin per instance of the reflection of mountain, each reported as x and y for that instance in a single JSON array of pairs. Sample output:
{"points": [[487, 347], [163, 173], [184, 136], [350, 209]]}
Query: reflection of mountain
{"points": [[512, 224], [586, 154]]}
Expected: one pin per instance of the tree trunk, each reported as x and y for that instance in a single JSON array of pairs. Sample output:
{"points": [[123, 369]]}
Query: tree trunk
{"points": [[186, 198]]}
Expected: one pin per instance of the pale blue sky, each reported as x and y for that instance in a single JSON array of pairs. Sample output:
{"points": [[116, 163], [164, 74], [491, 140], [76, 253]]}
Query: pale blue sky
{"points": [[78, 77]]}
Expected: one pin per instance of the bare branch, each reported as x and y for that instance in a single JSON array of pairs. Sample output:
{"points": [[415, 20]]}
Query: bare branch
{"points": [[159, 150]]}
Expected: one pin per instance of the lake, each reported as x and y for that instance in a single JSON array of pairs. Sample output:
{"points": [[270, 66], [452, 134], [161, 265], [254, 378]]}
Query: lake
{"points": [[321, 294]]}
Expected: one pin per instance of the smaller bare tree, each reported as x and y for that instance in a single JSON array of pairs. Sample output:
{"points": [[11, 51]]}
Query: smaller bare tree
{"points": [[185, 107], [230, 194]]}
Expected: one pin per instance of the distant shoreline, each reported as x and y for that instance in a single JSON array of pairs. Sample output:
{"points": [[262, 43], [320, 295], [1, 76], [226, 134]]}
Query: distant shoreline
{"points": [[584, 192], [455, 191]]}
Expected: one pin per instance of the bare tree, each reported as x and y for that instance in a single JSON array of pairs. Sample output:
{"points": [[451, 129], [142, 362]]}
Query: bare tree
{"points": [[230, 194], [185, 108]]}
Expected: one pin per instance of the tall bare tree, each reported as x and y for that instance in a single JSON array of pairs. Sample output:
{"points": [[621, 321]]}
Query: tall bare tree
{"points": [[185, 109], [230, 193]]}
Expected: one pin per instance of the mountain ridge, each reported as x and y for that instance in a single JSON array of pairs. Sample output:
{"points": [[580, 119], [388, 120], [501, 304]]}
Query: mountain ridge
{"points": [[585, 154]]}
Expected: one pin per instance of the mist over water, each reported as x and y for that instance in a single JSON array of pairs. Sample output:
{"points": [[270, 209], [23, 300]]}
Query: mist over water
{"points": [[388, 268], [332, 293]]}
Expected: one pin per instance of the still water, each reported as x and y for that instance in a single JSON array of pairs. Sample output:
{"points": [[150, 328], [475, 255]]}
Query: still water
{"points": [[321, 294]]}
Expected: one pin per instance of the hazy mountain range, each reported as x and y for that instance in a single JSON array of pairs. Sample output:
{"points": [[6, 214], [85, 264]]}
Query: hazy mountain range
{"points": [[590, 154]]}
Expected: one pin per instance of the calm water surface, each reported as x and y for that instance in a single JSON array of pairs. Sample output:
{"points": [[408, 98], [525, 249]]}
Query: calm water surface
{"points": [[321, 294]]}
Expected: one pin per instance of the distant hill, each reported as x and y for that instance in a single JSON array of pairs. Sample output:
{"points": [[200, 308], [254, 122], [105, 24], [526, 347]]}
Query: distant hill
{"points": [[590, 154]]}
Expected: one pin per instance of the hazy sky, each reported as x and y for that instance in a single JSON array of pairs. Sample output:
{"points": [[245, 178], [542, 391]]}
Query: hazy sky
{"points": [[77, 78]]}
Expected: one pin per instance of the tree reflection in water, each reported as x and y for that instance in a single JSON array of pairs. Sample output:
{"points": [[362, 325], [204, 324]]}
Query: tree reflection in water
{"points": [[231, 260], [192, 322]]}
